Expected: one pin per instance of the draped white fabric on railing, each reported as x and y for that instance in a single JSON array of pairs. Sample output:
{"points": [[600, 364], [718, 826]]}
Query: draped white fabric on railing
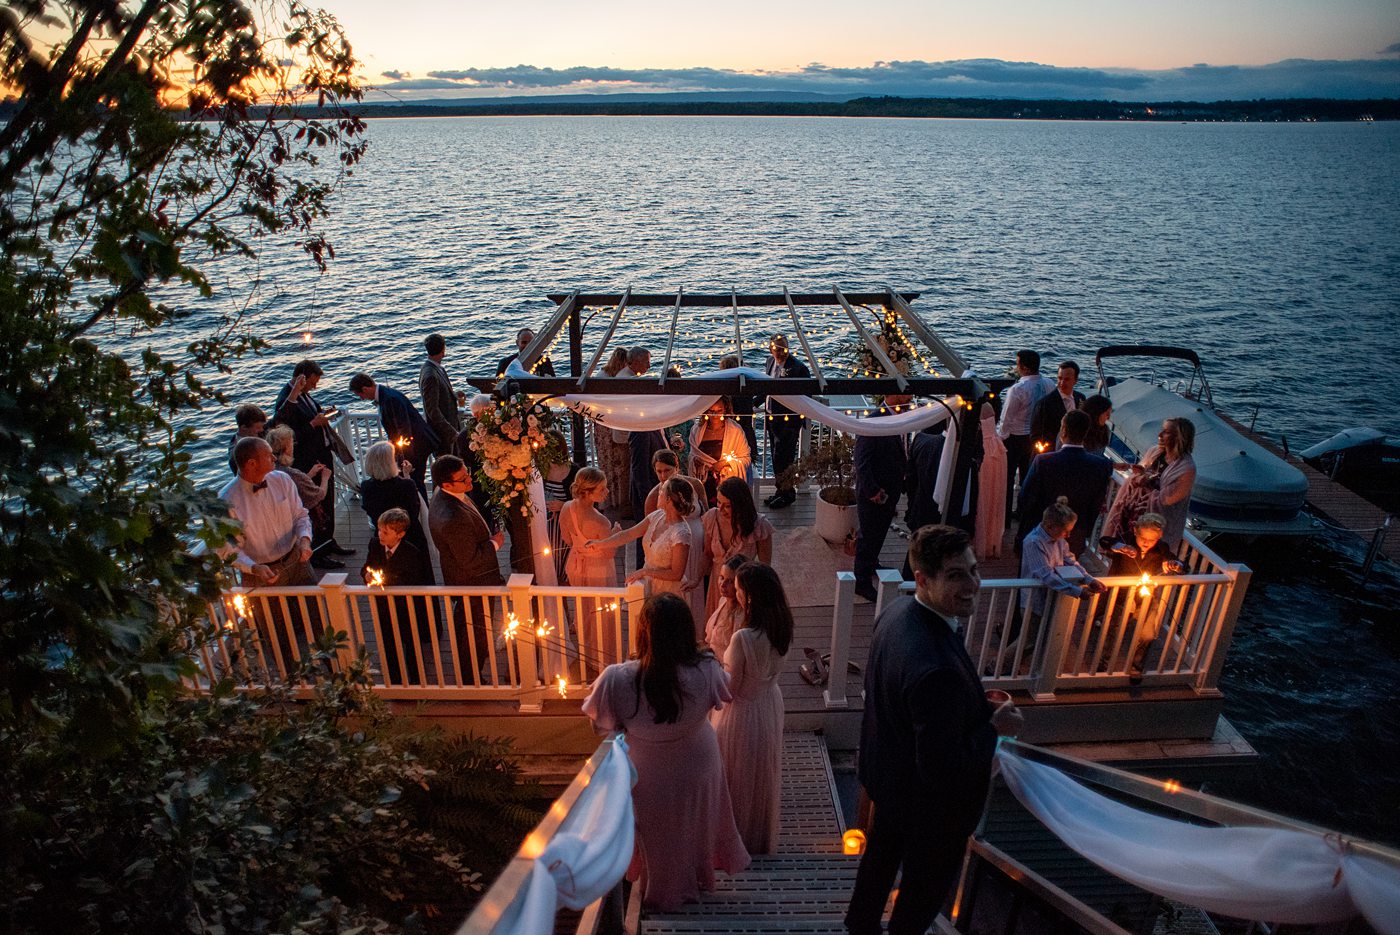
{"points": [[587, 855], [1262, 874], [645, 413]]}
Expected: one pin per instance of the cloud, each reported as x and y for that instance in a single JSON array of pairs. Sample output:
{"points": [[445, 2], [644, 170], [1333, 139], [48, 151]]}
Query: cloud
{"points": [[1392, 49], [964, 78], [394, 75]]}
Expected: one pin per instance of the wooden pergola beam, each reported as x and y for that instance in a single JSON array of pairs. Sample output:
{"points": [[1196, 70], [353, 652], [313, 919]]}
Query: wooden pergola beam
{"points": [[671, 338], [871, 343], [718, 385], [945, 354], [711, 300], [535, 350], [738, 338], [802, 336], [612, 326]]}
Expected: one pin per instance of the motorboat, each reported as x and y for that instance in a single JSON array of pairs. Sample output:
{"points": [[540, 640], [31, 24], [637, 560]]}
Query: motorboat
{"points": [[1241, 487], [1364, 461]]}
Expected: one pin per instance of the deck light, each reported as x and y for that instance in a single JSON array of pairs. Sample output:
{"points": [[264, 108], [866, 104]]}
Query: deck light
{"points": [[853, 842]]}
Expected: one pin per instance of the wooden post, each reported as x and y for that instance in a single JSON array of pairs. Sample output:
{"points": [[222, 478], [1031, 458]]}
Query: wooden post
{"points": [[1209, 681], [835, 693], [962, 469], [338, 615], [1060, 621], [526, 645]]}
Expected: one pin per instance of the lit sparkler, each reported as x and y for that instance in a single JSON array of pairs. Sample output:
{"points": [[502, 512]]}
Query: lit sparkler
{"points": [[374, 577], [1145, 586], [563, 684]]}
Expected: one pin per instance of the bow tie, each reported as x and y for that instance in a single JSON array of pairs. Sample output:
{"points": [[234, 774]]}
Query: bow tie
{"points": [[262, 485]]}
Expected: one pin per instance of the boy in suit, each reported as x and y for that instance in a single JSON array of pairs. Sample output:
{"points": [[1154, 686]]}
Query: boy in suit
{"points": [[400, 564]]}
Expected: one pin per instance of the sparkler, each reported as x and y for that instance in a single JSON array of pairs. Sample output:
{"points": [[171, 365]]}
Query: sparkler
{"points": [[374, 577], [1145, 586]]}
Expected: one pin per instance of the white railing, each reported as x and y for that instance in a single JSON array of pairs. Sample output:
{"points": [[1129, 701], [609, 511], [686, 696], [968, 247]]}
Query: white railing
{"points": [[515, 642], [1188, 621]]}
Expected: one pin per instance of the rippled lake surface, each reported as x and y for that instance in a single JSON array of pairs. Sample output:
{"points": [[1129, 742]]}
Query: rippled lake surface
{"points": [[1272, 250]]}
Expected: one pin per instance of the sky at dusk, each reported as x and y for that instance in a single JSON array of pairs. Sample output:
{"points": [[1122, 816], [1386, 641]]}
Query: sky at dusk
{"points": [[1122, 49]]}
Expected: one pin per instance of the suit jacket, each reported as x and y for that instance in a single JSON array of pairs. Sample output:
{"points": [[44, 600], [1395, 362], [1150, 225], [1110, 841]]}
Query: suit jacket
{"points": [[925, 451], [462, 448], [1047, 416], [792, 367], [880, 465], [409, 566], [376, 496], [1069, 472], [401, 420], [439, 403], [926, 739], [313, 442], [463, 542], [545, 368]]}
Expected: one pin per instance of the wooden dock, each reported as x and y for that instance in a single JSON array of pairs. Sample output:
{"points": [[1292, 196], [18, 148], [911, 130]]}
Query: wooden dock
{"points": [[804, 887], [1332, 502]]}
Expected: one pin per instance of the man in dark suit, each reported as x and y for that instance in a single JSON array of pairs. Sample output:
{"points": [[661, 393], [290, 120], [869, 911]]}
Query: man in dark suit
{"points": [[880, 462], [439, 398], [1047, 414], [409, 431], [1070, 472], [523, 337], [921, 509], [784, 427], [400, 564], [296, 408], [927, 739], [467, 554]]}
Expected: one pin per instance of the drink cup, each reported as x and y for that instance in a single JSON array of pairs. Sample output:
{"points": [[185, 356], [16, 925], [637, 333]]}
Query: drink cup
{"points": [[997, 697]]}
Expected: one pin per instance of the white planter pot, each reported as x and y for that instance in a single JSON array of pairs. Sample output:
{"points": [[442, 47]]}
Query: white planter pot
{"points": [[834, 522]]}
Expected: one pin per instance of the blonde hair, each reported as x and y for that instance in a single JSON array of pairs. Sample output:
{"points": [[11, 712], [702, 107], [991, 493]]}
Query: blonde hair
{"points": [[1058, 515], [282, 440], [616, 362], [1152, 520], [381, 462], [395, 519], [586, 480], [681, 495]]}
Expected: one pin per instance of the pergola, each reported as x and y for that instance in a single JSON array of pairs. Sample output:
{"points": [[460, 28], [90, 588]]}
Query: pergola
{"points": [[586, 378]]}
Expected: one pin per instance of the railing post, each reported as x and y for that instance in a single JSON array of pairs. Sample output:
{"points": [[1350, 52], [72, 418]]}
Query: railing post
{"points": [[527, 644], [887, 585], [633, 597], [1059, 622], [1221, 635], [844, 606], [338, 615]]}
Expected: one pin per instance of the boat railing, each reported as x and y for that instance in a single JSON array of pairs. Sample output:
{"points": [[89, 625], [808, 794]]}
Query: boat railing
{"points": [[576, 855], [516, 642], [1187, 622]]}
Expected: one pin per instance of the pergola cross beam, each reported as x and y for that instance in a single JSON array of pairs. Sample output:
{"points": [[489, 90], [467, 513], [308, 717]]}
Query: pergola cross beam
{"points": [[871, 343], [802, 336], [671, 338], [603, 346]]}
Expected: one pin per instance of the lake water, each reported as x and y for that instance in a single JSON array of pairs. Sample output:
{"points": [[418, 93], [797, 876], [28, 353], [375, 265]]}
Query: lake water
{"points": [[1272, 250]]}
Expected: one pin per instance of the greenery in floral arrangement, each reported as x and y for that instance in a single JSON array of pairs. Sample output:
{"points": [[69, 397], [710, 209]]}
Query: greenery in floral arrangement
{"points": [[829, 464], [511, 442], [856, 354]]}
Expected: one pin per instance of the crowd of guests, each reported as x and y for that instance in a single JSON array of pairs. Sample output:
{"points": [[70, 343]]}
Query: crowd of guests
{"points": [[700, 701]]}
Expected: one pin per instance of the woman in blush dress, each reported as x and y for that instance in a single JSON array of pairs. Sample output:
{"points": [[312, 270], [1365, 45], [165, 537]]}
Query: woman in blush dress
{"points": [[727, 617], [732, 528], [991, 490], [666, 542], [660, 700], [750, 729], [591, 565]]}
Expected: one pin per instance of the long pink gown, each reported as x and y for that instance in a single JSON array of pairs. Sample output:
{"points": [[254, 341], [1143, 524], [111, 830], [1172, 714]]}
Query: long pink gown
{"points": [[991, 490], [685, 822], [591, 567], [750, 732], [715, 532]]}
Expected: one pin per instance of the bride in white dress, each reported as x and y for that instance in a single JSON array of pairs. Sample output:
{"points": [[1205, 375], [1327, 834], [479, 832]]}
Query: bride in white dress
{"points": [[671, 546]]}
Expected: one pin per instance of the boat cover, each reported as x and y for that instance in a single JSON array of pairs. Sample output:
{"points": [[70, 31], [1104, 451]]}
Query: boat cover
{"points": [[1234, 475], [1347, 438]]}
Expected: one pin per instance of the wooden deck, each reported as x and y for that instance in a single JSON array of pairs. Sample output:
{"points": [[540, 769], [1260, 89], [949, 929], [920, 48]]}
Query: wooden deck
{"points": [[804, 887], [1331, 501]]}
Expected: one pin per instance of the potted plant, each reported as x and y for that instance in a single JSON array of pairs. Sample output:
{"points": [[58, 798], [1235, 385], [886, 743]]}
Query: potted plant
{"points": [[830, 465]]}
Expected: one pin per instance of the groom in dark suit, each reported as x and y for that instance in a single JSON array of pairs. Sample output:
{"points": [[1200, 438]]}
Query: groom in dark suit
{"points": [[401, 422], [1070, 472], [926, 742]]}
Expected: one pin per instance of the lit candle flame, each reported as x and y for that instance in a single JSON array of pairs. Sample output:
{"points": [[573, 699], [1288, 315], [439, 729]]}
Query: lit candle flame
{"points": [[374, 577], [1145, 585], [545, 551], [240, 604], [1041, 447], [563, 687]]}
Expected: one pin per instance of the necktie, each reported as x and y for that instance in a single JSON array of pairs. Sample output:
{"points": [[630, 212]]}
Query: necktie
{"points": [[260, 486]]}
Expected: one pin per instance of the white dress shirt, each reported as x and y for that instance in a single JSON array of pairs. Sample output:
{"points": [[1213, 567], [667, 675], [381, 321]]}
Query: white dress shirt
{"points": [[273, 518], [1021, 398]]}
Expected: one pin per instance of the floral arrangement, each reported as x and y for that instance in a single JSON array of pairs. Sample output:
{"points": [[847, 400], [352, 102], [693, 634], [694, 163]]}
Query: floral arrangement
{"points": [[512, 445], [892, 341]]}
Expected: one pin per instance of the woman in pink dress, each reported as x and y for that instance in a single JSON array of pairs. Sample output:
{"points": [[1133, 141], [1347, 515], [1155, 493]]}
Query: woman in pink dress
{"points": [[732, 527], [750, 729], [728, 616], [661, 701], [991, 490], [591, 565]]}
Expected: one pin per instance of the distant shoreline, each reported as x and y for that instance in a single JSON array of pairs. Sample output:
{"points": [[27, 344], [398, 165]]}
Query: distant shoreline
{"points": [[1262, 111]]}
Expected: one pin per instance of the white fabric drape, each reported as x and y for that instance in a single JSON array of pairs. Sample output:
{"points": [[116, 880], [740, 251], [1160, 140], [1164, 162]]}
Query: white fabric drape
{"points": [[645, 413], [587, 855], [1262, 874]]}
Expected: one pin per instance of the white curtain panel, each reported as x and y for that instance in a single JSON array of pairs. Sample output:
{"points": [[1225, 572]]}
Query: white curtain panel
{"points": [[588, 854], [1262, 874]]}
